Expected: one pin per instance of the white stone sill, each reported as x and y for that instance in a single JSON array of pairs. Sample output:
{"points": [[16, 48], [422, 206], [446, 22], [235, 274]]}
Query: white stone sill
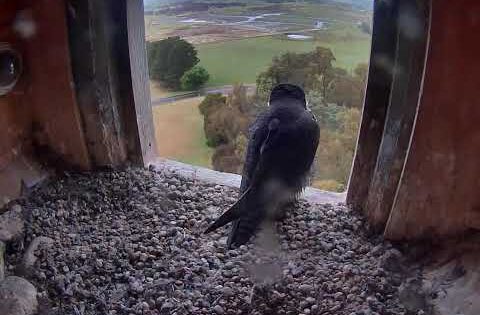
{"points": [[310, 194]]}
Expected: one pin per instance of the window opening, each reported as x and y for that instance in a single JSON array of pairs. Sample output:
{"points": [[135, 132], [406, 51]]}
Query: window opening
{"points": [[213, 63]]}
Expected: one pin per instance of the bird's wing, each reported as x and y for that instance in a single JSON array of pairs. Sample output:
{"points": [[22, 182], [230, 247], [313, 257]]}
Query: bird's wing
{"points": [[233, 213], [238, 211], [258, 135], [251, 207], [264, 152]]}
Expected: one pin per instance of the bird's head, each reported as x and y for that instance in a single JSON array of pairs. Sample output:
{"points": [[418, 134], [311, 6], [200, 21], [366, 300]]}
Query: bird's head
{"points": [[290, 93]]}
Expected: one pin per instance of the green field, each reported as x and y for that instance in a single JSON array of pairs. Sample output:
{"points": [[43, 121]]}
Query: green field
{"points": [[241, 61], [183, 120], [338, 12]]}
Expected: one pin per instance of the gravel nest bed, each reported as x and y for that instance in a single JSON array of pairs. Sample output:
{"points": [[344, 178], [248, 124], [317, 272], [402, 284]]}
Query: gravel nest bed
{"points": [[131, 242]]}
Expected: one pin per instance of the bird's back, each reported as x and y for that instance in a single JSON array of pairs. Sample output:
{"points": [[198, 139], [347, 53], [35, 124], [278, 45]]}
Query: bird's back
{"points": [[281, 149], [293, 149], [289, 160]]}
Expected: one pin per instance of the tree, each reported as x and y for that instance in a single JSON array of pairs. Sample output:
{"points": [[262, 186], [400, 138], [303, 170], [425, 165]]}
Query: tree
{"points": [[169, 59], [223, 121], [361, 71], [194, 78], [325, 113], [337, 147], [311, 71], [226, 122], [211, 103], [339, 127], [212, 108], [366, 27], [334, 95], [347, 90]]}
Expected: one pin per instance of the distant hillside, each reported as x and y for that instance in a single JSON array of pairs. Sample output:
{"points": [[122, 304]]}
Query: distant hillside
{"points": [[153, 4], [361, 4]]}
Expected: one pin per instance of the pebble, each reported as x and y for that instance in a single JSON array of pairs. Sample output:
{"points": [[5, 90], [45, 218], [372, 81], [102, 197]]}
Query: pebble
{"points": [[305, 288], [11, 224], [139, 248], [18, 297], [218, 309]]}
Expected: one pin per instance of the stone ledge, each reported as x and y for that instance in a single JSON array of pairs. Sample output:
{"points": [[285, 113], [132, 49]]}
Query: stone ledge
{"points": [[18, 297], [19, 174], [233, 180]]}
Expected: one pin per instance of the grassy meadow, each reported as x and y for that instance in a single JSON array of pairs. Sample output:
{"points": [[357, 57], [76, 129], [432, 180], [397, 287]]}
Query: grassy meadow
{"points": [[179, 126], [240, 61], [179, 132]]}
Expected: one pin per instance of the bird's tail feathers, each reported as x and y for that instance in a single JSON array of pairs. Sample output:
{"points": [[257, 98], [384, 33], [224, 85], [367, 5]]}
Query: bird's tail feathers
{"points": [[232, 214]]}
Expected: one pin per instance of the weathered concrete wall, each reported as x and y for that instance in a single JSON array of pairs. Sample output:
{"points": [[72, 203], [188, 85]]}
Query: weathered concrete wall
{"points": [[411, 47], [51, 92], [380, 78], [438, 194], [15, 116], [91, 27], [15, 121], [83, 99], [39, 117], [111, 80], [233, 180], [44, 100]]}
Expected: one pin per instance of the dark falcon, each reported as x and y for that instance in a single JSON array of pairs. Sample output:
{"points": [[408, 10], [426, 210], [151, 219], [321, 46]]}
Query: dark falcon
{"points": [[282, 146]]}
